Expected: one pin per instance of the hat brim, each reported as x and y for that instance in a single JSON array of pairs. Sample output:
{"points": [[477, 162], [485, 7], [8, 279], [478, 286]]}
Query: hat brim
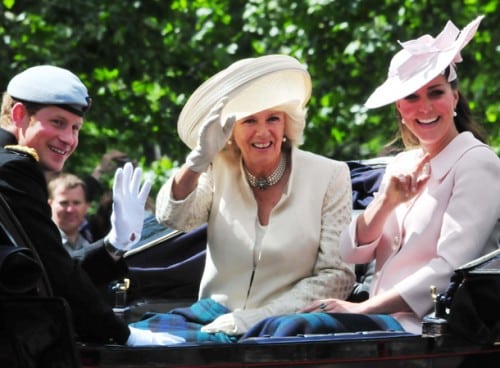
{"points": [[286, 87], [394, 88], [427, 67], [251, 85]]}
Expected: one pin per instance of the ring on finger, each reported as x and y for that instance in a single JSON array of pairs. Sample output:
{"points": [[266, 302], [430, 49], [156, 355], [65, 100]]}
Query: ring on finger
{"points": [[322, 307]]}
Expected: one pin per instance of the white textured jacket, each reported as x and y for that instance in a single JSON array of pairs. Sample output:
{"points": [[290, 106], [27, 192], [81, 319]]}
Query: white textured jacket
{"points": [[447, 225], [298, 260]]}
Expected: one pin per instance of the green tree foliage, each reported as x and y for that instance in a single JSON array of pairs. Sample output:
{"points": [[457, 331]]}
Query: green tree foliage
{"points": [[142, 59]]}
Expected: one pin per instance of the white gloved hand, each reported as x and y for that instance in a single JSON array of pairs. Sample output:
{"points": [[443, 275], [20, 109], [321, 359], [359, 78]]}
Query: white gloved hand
{"points": [[227, 323], [129, 200], [140, 337], [212, 137]]}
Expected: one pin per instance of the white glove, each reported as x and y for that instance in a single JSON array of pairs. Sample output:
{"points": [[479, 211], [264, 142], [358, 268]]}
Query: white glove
{"points": [[212, 137], [129, 200], [227, 323], [139, 337]]}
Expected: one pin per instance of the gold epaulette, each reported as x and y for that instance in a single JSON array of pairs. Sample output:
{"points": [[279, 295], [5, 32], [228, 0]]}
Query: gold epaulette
{"points": [[23, 149]]}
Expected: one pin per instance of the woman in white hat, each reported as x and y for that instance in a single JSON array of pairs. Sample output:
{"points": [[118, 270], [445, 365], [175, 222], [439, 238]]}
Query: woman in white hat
{"points": [[438, 203], [274, 212]]}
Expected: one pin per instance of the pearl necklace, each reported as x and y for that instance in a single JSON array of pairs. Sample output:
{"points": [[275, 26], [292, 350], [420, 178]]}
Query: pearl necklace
{"points": [[265, 182]]}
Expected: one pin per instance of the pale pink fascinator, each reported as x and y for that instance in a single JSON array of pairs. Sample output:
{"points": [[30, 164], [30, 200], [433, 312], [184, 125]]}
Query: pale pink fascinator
{"points": [[422, 60]]}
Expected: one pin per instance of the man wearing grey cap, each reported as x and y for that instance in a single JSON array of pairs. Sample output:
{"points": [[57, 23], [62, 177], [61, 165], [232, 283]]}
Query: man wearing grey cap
{"points": [[42, 114]]}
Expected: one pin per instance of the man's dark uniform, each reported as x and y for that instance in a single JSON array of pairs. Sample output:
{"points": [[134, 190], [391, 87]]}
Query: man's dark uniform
{"points": [[24, 186]]}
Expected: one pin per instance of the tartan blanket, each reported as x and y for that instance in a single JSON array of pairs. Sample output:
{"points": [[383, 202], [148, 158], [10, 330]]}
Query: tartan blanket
{"points": [[186, 322], [321, 323]]}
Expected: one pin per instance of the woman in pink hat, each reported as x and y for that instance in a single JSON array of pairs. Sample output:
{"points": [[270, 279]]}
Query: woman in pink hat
{"points": [[274, 212], [436, 207]]}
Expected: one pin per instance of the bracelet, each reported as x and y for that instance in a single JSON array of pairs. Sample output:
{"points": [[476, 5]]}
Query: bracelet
{"points": [[115, 252]]}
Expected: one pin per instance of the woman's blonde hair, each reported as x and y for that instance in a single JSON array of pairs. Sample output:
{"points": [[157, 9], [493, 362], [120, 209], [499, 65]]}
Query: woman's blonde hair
{"points": [[295, 124]]}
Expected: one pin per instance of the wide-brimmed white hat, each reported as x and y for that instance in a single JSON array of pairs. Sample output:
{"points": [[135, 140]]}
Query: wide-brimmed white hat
{"points": [[421, 60], [251, 85]]}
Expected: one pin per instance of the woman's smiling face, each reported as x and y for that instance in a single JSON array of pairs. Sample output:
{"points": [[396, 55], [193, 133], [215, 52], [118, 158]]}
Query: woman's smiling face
{"points": [[428, 113], [259, 138]]}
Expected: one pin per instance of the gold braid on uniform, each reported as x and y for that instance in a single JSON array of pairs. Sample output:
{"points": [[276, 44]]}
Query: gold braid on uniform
{"points": [[23, 149]]}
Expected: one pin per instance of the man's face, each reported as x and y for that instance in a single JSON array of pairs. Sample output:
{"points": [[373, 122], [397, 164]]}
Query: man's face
{"points": [[53, 133], [68, 208]]}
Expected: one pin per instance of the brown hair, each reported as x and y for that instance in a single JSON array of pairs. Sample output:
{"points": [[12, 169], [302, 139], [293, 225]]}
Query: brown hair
{"points": [[8, 101], [68, 181]]}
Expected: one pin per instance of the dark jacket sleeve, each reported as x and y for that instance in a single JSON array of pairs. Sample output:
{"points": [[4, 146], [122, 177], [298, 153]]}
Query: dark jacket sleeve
{"points": [[94, 188], [23, 184], [100, 267]]}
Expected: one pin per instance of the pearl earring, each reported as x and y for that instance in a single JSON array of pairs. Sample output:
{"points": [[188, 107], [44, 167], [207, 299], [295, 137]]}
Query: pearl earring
{"points": [[229, 142], [454, 113], [284, 139]]}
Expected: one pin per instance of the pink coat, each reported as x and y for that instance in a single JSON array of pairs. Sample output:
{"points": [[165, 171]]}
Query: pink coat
{"points": [[447, 225]]}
